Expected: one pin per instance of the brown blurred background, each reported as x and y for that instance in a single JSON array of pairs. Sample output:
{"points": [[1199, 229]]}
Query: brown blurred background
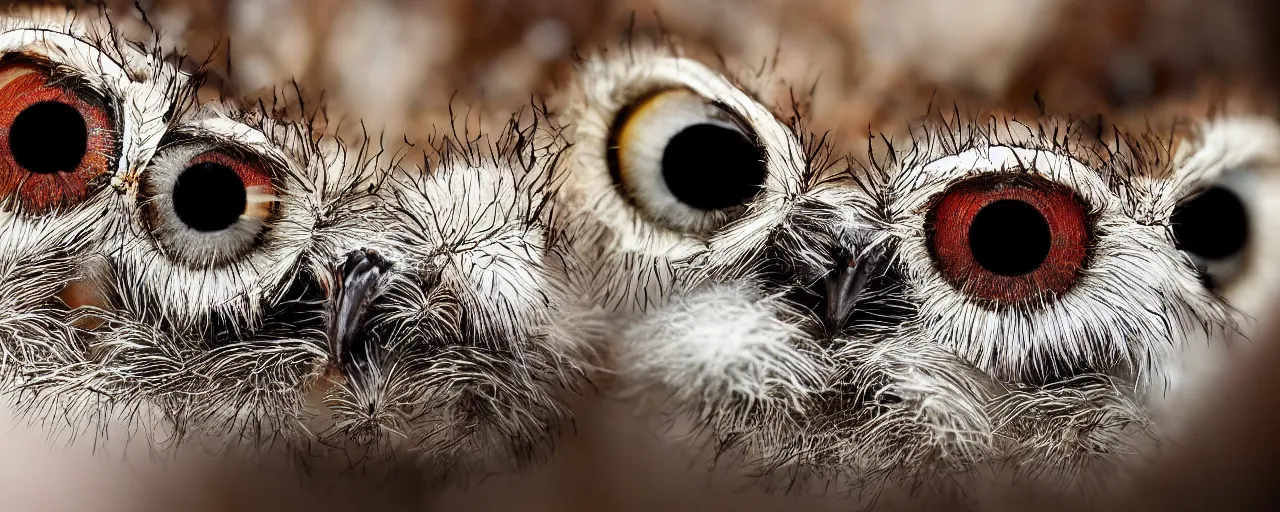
{"points": [[400, 65]]}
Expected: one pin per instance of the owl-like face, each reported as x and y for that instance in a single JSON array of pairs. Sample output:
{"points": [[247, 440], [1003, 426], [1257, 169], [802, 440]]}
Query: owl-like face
{"points": [[1044, 255], [216, 273], [203, 299], [747, 276], [468, 350], [260, 287], [991, 289], [246, 281], [80, 109]]}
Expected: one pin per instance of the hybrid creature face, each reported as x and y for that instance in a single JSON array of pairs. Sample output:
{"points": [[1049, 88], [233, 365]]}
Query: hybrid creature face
{"points": [[263, 287], [1047, 256], [215, 272], [748, 277], [991, 290], [210, 272]]}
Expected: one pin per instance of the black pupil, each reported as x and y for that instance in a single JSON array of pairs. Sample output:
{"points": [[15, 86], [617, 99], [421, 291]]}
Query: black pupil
{"points": [[1009, 237], [1213, 225], [710, 167], [48, 137], [209, 197]]}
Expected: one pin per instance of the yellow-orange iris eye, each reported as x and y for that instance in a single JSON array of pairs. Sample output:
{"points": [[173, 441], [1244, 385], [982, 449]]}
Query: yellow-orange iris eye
{"points": [[685, 160]]}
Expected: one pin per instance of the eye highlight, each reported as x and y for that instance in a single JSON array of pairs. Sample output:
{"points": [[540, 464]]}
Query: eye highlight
{"points": [[53, 140], [1008, 238], [207, 205], [684, 160]]}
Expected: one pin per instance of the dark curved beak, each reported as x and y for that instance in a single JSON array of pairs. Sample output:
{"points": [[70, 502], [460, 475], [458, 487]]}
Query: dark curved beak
{"points": [[846, 283], [355, 286]]}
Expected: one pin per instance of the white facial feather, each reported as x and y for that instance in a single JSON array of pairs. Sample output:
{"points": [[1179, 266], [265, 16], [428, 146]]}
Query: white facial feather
{"points": [[137, 89], [716, 323], [724, 340], [1129, 309], [1240, 154], [352, 303], [495, 271], [1077, 363], [224, 350], [918, 412], [474, 226], [316, 218], [476, 353], [38, 257]]}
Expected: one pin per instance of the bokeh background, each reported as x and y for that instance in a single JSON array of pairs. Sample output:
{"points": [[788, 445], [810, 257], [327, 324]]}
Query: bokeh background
{"points": [[408, 69]]}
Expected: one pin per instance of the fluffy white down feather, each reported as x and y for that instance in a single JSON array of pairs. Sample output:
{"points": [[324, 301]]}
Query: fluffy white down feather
{"points": [[720, 342]]}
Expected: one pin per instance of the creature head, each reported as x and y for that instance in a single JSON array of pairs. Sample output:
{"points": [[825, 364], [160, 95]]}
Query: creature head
{"points": [[468, 351], [1039, 249], [250, 280], [748, 277]]}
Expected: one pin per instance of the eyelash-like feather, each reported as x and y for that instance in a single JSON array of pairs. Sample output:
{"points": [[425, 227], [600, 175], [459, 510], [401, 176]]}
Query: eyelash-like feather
{"points": [[513, 264], [483, 355], [212, 377], [711, 325], [236, 357], [325, 192], [1137, 302], [142, 85]]}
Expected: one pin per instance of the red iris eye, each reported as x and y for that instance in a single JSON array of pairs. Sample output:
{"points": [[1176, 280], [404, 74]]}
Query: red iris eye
{"points": [[1009, 238], [52, 141]]}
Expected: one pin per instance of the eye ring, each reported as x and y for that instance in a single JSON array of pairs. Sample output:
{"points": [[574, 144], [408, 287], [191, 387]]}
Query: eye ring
{"points": [[55, 140], [208, 205], [685, 161], [1009, 238]]}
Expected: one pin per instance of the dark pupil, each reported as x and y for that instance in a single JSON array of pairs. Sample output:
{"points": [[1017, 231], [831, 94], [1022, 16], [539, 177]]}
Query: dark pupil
{"points": [[209, 197], [1009, 237], [48, 137], [710, 167], [1212, 225]]}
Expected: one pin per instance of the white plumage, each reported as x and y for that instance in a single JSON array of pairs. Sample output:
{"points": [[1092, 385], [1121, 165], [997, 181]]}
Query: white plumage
{"points": [[793, 304], [721, 319], [248, 283]]}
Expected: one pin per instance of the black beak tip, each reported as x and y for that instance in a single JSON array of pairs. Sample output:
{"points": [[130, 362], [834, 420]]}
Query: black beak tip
{"points": [[358, 278], [362, 260], [840, 297], [845, 285]]}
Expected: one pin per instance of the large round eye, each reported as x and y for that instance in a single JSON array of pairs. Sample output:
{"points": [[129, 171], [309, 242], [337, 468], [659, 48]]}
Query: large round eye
{"points": [[1009, 238], [685, 161], [1213, 227], [207, 206], [53, 140]]}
